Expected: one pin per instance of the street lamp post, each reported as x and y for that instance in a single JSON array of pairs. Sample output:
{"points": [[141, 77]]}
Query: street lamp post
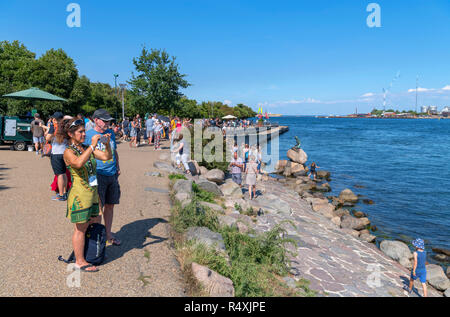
{"points": [[123, 86], [115, 83]]}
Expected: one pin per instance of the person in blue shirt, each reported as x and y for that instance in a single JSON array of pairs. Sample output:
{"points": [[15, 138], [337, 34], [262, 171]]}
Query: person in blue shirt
{"points": [[107, 171], [419, 270]]}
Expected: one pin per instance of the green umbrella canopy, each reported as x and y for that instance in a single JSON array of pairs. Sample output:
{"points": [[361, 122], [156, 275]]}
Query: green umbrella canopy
{"points": [[34, 94]]}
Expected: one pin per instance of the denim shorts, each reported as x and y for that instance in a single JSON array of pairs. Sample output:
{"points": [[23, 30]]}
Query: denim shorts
{"points": [[38, 139]]}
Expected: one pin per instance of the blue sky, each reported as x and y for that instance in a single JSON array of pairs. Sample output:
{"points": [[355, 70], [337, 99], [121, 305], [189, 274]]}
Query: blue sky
{"points": [[291, 57]]}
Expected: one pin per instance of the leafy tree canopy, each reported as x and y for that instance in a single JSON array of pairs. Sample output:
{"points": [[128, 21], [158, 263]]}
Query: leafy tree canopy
{"points": [[156, 85]]}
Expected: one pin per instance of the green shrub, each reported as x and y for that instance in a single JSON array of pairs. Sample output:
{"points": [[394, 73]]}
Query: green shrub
{"points": [[193, 215]]}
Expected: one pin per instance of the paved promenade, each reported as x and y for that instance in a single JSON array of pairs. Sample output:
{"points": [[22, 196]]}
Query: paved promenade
{"points": [[34, 232]]}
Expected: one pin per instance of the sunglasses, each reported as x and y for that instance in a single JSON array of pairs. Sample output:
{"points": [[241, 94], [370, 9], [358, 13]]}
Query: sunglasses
{"points": [[76, 123]]}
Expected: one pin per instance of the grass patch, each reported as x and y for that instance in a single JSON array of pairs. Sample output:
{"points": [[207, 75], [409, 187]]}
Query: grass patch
{"points": [[143, 278], [174, 177], [303, 285], [147, 255]]}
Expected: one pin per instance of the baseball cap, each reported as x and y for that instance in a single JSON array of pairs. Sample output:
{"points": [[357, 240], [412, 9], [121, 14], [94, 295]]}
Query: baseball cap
{"points": [[102, 114], [58, 115]]}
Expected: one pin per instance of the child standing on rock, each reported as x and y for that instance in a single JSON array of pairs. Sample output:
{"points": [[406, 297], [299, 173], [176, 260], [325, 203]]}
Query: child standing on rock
{"points": [[419, 269]]}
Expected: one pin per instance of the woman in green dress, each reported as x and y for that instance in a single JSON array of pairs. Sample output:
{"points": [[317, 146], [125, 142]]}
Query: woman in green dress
{"points": [[82, 202]]}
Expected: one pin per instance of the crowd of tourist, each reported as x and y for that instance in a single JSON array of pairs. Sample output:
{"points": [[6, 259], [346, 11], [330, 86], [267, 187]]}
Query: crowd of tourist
{"points": [[84, 159]]}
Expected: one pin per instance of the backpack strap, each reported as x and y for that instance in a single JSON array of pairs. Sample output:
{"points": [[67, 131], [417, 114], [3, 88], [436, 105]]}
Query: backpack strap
{"points": [[71, 258]]}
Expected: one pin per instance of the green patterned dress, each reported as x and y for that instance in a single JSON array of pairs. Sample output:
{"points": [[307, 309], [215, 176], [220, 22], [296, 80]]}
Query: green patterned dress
{"points": [[82, 201]]}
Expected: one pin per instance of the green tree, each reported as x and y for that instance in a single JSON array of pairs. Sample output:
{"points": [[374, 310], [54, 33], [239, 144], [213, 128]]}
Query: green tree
{"points": [[156, 85], [80, 94], [16, 63], [56, 73], [103, 96], [188, 108]]}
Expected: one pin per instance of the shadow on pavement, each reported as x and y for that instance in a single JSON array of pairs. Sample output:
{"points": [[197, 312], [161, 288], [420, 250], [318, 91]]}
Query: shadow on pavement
{"points": [[133, 236], [2, 168]]}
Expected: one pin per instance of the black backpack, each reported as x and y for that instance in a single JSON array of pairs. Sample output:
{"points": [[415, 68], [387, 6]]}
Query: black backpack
{"points": [[94, 246]]}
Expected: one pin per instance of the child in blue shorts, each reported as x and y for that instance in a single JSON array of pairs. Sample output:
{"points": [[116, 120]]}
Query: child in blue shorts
{"points": [[419, 269]]}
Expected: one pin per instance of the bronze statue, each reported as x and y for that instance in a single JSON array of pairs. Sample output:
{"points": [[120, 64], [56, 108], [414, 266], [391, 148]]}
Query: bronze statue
{"points": [[298, 145]]}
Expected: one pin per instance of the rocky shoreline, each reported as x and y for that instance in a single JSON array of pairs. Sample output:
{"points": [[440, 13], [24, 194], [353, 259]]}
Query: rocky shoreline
{"points": [[334, 249], [356, 223]]}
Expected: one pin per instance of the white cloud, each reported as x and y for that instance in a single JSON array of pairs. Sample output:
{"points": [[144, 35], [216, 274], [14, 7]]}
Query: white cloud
{"points": [[369, 94], [446, 88], [227, 102], [421, 89]]}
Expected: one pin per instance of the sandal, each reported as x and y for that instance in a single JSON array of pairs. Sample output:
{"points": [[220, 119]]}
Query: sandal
{"points": [[114, 241], [85, 269]]}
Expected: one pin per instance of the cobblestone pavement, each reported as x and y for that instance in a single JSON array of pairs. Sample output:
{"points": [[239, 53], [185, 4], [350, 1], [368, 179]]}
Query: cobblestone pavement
{"points": [[335, 263]]}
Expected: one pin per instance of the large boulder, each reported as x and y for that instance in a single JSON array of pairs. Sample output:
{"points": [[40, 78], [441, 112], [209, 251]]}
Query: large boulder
{"points": [[437, 278], [231, 189], [324, 188], [341, 212], [182, 198], [397, 251], [367, 237], [447, 292], [359, 214], [212, 282], [297, 168], [336, 220], [350, 222], [441, 251], [348, 196], [226, 221], [272, 203], [297, 156], [287, 170], [351, 232], [203, 170], [183, 186], [327, 210], [209, 187], [323, 175], [165, 167], [206, 237], [216, 176], [280, 166], [214, 207]]}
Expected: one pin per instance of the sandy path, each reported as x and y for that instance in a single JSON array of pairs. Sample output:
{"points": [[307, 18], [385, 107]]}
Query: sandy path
{"points": [[34, 232]]}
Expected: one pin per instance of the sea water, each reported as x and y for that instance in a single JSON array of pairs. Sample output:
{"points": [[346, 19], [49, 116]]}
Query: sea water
{"points": [[403, 165]]}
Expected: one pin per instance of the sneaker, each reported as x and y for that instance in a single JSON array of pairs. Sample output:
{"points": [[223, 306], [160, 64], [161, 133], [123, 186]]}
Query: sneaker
{"points": [[57, 197], [63, 197]]}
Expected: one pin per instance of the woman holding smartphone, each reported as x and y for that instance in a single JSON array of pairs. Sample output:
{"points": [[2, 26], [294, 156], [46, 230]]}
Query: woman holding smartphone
{"points": [[82, 202]]}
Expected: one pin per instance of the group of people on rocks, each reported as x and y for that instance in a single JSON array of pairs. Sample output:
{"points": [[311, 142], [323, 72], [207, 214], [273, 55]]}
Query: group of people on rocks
{"points": [[246, 160]]}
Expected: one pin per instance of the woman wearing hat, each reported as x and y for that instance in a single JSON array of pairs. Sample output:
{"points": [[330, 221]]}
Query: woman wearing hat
{"points": [[419, 269]]}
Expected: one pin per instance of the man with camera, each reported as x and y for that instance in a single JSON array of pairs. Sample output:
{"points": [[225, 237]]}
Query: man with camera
{"points": [[107, 171]]}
